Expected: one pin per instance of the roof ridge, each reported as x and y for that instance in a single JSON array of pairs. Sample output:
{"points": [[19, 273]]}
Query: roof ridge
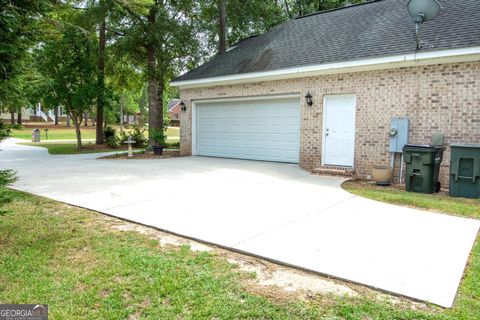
{"points": [[336, 9]]}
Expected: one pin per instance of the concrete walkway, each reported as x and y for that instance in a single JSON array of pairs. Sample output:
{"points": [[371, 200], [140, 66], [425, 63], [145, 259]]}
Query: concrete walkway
{"points": [[277, 211]]}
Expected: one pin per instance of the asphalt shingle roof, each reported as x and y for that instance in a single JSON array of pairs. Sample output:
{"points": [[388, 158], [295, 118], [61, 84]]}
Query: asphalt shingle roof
{"points": [[378, 28]]}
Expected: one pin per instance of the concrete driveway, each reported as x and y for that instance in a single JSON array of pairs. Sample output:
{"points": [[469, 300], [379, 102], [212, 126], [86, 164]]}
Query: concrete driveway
{"points": [[277, 211]]}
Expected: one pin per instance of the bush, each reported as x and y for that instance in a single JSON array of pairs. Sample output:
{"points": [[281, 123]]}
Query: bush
{"points": [[7, 177], [109, 132], [4, 131], [137, 134], [16, 126], [110, 135], [174, 144], [112, 141], [159, 136]]}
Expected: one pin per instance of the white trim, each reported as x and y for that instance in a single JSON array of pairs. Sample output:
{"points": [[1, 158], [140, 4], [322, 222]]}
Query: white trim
{"points": [[378, 63], [249, 98], [324, 116], [194, 128]]}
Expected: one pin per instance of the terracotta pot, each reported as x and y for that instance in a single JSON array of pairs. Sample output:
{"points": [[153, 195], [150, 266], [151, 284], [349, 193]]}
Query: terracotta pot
{"points": [[382, 175]]}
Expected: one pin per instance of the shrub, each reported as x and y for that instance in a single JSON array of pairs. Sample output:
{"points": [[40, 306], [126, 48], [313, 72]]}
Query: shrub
{"points": [[137, 134], [4, 131], [7, 177], [110, 135], [16, 126], [159, 136], [112, 141], [174, 144], [109, 132]]}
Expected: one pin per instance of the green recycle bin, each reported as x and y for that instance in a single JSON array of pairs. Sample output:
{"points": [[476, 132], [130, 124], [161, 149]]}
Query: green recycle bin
{"points": [[465, 171], [423, 167]]}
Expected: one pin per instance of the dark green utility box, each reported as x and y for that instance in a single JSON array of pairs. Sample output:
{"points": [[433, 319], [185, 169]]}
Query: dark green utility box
{"points": [[465, 171], [423, 167]]}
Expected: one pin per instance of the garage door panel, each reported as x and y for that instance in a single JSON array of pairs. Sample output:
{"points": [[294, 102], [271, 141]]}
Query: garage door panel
{"points": [[258, 130]]}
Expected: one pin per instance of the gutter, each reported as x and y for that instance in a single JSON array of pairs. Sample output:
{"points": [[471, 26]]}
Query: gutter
{"points": [[468, 54]]}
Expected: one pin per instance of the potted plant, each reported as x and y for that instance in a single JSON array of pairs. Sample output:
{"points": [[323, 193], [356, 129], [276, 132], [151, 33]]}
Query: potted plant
{"points": [[159, 137], [382, 175]]}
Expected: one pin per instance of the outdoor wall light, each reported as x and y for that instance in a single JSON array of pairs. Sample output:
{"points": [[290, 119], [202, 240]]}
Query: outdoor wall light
{"points": [[309, 100], [183, 106]]}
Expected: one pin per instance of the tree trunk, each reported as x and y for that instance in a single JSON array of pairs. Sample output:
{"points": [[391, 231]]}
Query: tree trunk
{"points": [[122, 101], [101, 77], [222, 17], [86, 119], [142, 107], [55, 111], [287, 9], [19, 117], [160, 90], [77, 122], [153, 109], [68, 121], [12, 118]]}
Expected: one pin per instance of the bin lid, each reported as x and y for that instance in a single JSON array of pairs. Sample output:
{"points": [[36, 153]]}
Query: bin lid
{"points": [[464, 145], [422, 146]]}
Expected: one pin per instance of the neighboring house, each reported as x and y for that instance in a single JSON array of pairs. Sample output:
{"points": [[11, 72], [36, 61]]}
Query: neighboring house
{"points": [[361, 66], [174, 111], [6, 116], [36, 114]]}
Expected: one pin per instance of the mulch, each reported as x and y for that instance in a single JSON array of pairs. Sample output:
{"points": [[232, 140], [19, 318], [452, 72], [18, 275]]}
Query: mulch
{"points": [[167, 154]]}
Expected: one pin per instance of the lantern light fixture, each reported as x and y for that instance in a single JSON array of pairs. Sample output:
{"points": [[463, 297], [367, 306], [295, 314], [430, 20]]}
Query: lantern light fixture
{"points": [[308, 99], [183, 106]]}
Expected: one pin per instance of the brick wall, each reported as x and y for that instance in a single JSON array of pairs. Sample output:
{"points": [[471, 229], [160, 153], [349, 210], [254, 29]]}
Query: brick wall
{"points": [[437, 98]]}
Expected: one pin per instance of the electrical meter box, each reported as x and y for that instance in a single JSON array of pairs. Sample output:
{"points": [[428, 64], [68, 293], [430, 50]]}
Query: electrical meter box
{"points": [[399, 129]]}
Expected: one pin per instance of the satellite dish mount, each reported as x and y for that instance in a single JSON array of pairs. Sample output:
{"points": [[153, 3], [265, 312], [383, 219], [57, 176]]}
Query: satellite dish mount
{"points": [[423, 11]]}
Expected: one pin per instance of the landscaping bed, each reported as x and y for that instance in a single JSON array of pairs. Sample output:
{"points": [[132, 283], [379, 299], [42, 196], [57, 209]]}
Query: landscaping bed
{"points": [[142, 155]]}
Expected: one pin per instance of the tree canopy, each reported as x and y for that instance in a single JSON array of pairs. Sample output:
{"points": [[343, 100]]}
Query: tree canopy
{"points": [[88, 55]]}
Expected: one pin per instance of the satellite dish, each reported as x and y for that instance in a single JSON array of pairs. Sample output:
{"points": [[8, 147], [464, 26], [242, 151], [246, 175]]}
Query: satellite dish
{"points": [[422, 11]]}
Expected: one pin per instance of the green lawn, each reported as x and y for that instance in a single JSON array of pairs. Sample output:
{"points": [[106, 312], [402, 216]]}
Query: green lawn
{"points": [[68, 145], [436, 202], [57, 148], [63, 133], [73, 260], [69, 148]]}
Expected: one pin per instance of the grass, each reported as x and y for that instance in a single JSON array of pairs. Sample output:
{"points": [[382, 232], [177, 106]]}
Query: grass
{"points": [[68, 148], [55, 133], [56, 146], [73, 260], [436, 202], [88, 133]]}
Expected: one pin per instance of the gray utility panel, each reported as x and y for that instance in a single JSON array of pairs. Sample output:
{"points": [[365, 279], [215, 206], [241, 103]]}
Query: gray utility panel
{"points": [[399, 128]]}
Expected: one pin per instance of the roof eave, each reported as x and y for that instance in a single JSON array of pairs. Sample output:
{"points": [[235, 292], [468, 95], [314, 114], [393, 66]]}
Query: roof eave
{"points": [[369, 64]]}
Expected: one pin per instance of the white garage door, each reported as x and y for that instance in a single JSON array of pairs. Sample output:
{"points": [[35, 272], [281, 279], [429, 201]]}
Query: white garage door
{"points": [[257, 130]]}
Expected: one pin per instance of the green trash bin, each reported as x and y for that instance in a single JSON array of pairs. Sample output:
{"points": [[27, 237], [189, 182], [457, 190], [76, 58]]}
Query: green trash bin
{"points": [[465, 171], [423, 167]]}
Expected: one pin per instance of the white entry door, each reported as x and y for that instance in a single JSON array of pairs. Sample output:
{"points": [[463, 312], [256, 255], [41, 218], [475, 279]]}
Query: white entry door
{"points": [[339, 130], [263, 129]]}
